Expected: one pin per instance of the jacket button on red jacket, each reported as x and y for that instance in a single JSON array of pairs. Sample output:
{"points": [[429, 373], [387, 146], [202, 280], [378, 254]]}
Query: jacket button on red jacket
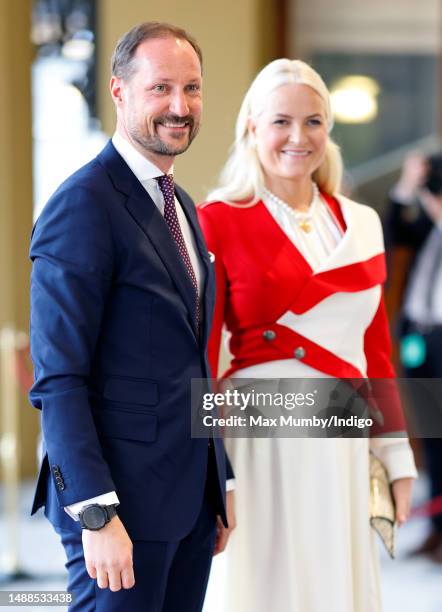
{"points": [[269, 334], [299, 352]]}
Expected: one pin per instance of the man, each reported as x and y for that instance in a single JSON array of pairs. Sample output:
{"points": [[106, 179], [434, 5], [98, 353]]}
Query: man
{"points": [[121, 306], [414, 227]]}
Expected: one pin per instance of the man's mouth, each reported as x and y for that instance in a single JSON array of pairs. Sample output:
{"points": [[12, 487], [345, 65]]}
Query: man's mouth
{"points": [[174, 125]]}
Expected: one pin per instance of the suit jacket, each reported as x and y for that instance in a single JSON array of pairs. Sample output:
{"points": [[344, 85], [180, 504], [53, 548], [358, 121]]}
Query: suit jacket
{"points": [[115, 346], [406, 225], [406, 229]]}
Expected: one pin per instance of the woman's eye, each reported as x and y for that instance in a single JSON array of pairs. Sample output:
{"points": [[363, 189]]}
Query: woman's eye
{"points": [[314, 122], [280, 122]]}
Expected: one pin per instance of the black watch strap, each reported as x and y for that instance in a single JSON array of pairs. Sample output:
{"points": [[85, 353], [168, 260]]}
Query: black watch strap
{"points": [[111, 511]]}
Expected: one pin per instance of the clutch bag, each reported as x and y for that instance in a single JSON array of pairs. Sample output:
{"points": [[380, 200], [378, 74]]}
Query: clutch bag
{"points": [[382, 508]]}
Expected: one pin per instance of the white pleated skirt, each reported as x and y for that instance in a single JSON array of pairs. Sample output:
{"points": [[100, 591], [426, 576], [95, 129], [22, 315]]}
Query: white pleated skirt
{"points": [[303, 542]]}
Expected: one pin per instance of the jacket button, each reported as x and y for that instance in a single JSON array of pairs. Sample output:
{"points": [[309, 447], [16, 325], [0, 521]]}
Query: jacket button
{"points": [[269, 334], [299, 352]]}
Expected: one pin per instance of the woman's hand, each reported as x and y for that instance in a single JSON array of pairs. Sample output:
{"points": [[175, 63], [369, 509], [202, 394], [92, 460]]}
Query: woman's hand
{"points": [[402, 488]]}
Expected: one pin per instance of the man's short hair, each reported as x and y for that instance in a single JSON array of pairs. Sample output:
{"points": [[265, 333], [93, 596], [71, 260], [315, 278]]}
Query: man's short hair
{"points": [[122, 64]]}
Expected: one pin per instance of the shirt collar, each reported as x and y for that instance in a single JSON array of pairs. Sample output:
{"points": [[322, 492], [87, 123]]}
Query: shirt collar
{"points": [[143, 169]]}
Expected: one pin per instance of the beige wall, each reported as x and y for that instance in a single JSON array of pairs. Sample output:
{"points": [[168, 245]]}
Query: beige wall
{"points": [[237, 36], [377, 26], [16, 191]]}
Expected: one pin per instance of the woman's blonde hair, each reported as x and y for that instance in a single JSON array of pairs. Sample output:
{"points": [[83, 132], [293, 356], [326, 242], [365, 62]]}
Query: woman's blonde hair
{"points": [[241, 179]]}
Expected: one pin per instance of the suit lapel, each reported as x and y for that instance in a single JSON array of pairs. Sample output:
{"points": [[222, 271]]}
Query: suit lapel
{"points": [[208, 287], [145, 213]]}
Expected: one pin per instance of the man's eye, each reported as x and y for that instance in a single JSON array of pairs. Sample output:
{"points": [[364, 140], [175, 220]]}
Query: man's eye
{"points": [[159, 88], [194, 87]]}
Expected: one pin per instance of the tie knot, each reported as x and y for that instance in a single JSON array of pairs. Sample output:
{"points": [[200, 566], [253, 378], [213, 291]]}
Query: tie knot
{"points": [[165, 182]]}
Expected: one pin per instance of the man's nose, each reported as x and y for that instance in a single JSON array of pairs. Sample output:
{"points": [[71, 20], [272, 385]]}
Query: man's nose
{"points": [[178, 104]]}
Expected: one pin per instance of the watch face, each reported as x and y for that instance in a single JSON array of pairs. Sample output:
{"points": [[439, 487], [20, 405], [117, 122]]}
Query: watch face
{"points": [[94, 517]]}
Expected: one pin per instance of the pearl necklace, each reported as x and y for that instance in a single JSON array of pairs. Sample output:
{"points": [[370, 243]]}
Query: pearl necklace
{"points": [[304, 220]]}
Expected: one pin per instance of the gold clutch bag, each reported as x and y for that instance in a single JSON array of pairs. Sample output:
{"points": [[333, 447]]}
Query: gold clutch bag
{"points": [[382, 508]]}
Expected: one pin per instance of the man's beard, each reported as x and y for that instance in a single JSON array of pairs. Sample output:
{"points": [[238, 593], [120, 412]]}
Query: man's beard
{"points": [[154, 144]]}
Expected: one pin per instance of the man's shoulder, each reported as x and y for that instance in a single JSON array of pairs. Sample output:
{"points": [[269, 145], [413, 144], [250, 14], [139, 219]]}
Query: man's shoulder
{"points": [[91, 177], [83, 200], [91, 183]]}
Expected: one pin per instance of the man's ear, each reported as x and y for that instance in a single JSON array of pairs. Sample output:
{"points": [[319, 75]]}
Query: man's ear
{"points": [[116, 90]]}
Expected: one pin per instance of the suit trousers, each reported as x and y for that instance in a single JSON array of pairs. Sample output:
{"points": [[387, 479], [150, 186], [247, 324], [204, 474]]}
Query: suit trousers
{"points": [[169, 576]]}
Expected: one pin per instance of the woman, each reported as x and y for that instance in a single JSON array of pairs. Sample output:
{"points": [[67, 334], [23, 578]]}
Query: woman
{"points": [[299, 287]]}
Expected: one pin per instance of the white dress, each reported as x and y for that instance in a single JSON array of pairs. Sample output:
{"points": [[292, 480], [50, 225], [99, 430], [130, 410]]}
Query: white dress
{"points": [[303, 541]]}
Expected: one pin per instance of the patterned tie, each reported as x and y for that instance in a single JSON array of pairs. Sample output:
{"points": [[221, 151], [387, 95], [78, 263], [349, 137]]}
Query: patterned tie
{"points": [[171, 218]]}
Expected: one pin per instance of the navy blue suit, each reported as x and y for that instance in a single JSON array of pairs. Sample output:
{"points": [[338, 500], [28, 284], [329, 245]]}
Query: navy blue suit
{"points": [[115, 346]]}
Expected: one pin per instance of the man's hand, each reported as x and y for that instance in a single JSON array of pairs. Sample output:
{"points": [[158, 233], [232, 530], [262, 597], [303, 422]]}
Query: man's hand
{"points": [[108, 555], [432, 204], [413, 176], [402, 496], [223, 533]]}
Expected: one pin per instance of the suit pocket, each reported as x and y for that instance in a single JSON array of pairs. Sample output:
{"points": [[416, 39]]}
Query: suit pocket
{"points": [[126, 424], [137, 391]]}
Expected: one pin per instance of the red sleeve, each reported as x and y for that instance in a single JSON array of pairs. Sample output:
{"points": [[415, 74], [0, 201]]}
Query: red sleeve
{"points": [[380, 371], [213, 245], [377, 345]]}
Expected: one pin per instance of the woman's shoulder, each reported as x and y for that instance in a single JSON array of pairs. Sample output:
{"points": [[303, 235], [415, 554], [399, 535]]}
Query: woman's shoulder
{"points": [[223, 209], [361, 212], [354, 205], [210, 206]]}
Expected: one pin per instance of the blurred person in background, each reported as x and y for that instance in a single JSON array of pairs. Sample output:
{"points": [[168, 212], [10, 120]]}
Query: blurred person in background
{"points": [[299, 272], [414, 221]]}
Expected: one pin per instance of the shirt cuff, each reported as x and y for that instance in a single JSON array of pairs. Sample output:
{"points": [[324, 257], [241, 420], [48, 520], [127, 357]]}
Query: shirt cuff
{"points": [[230, 485], [396, 455], [106, 499]]}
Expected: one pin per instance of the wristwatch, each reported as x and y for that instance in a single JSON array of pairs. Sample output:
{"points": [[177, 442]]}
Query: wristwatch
{"points": [[95, 516]]}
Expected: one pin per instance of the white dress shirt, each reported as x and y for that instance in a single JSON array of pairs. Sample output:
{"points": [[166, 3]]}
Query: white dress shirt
{"points": [[423, 299], [146, 172]]}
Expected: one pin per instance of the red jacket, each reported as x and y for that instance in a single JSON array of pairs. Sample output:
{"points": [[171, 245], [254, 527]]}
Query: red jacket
{"points": [[332, 320]]}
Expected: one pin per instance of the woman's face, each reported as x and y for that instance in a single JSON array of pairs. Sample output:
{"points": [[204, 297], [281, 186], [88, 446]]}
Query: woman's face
{"points": [[291, 133]]}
